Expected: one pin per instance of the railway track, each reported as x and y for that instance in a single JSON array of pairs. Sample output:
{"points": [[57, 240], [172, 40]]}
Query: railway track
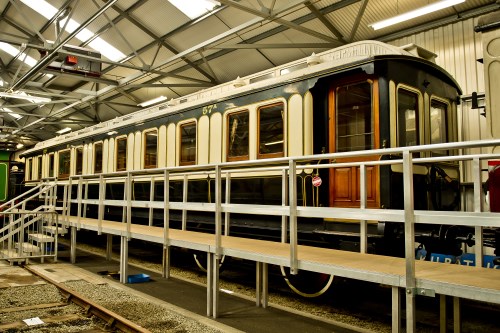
{"points": [[42, 309]]}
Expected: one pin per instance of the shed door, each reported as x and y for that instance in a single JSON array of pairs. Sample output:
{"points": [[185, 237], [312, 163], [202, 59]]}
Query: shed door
{"points": [[354, 126]]}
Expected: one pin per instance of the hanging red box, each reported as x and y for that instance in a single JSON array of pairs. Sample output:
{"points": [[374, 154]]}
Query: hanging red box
{"points": [[71, 60]]}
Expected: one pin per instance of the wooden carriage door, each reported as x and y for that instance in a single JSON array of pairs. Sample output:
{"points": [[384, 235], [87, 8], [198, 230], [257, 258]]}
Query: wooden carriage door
{"points": [[354, 126]]}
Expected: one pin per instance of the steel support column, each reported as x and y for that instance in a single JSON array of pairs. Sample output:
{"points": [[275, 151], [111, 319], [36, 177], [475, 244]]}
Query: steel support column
{"points": [[72, 245], [123, 259]]}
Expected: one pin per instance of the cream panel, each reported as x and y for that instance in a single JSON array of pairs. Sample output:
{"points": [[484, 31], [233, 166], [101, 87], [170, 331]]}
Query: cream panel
{"points": [[171, 145], [216, 138], [105, 156], [203, 140], [308, 124], [295, 126], [112, 155], [87, 158], [162, 146], [252, 137], [56, 164], [130, 151], [72, 164], [138, 153]]}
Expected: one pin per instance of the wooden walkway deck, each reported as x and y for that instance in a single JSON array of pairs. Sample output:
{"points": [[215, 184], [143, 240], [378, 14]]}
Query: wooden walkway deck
{"points": [[476, 283]]}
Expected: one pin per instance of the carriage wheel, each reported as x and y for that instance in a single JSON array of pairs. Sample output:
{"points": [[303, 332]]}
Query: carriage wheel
{"points": [[307, 284]]}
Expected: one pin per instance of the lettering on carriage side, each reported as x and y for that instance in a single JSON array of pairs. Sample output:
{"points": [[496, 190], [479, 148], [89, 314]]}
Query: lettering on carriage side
{"points": [[467, 259], [207, 109]]}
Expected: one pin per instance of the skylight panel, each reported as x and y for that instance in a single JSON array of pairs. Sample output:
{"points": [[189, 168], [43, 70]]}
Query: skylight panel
{"points": [[48, 11], [14, 51], [194, 8]]}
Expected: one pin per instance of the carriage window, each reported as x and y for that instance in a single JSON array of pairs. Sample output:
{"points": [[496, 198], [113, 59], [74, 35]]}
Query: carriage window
{"points": [[51, 165], [39, 158], [237, 140], [438, 124], [271, 131], [407, 118], [355, 123], [98, 157], [121, 154], [79, 161], [64, 163], [150, 148], [188, 143]]}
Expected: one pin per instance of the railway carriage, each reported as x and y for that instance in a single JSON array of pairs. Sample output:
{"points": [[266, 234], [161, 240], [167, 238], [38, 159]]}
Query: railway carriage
{"points": [[362, 96]]}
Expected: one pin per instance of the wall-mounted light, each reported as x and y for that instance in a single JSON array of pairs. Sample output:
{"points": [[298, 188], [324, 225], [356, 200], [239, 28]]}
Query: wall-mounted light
{"points": [[152, 101], [415, 13]]}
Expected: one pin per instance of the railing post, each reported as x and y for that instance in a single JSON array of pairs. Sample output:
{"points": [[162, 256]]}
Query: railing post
{"points": [[409, 241], [363, 247], [85, 197], [166, 224], [151, 199], [65, 203], [129, 203], [292, 180], [227, 215], [184, 200], [100, 209], [284, 203], [478, 207], [218, 211], [79, 200]]}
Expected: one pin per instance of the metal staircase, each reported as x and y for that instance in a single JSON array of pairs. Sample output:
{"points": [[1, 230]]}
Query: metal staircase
{"points": [[29, 225]]}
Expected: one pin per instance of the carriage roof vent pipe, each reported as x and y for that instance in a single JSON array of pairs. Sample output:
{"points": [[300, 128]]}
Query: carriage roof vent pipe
{"points": [[239, 82], [313, 60]]}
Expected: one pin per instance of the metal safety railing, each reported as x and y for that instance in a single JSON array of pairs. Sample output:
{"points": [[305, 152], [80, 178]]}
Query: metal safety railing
{"points": [[29, 225], [289, 210]]}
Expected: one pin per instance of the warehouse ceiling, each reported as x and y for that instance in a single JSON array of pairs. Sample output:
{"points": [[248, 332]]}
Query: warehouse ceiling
{"points": [[74, 63]]}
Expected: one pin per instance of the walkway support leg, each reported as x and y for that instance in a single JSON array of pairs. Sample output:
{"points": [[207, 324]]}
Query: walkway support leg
{"points": [[124, 259], [166, 263], [109, 247], [215, 288], [72, 246], [457, 316], [261, 298], [396, 310], [442, 314], [210, 284]]}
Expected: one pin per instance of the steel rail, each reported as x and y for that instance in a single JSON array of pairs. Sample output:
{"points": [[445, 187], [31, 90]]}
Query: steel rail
{"points": [[111, 318]]}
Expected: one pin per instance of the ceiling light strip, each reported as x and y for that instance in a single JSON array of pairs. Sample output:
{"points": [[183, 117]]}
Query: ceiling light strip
{"points": [[415, 13]]}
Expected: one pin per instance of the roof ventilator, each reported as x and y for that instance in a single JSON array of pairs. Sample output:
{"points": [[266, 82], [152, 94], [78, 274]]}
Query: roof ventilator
{"points": [[239, 82], [313, 60]]}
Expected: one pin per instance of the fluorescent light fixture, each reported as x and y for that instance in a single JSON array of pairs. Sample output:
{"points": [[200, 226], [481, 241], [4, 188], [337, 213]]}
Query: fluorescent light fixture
{"points": [[48, 11], [415, 13], [19, 145], [23, 95], [64, 130], [12, 114], [194, 8], [152, 101]]}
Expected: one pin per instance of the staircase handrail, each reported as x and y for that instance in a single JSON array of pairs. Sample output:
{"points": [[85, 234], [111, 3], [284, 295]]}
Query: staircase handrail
{"points": [[44, 187]]}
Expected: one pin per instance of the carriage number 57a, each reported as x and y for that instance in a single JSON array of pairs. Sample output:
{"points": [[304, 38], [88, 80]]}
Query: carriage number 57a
{"points": [[209, 108]]}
